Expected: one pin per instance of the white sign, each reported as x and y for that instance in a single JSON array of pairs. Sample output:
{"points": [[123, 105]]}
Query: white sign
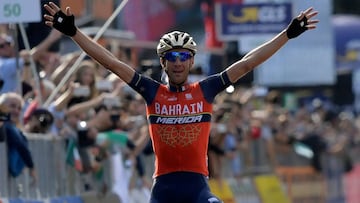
{"points": [[16, 11]]}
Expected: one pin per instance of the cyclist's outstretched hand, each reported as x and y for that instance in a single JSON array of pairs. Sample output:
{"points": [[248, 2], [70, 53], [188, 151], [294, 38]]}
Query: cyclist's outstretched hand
{"points": [[301, 23], [56, 18]]}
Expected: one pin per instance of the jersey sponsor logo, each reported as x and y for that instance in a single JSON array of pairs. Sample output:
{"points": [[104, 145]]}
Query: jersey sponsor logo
{"points": [[185, 119], [179, 109], [179, 120]]}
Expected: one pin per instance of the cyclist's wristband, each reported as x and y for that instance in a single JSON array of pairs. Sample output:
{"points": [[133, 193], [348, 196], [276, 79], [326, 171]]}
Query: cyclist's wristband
{"points": [[64, 23], [296, 27]]}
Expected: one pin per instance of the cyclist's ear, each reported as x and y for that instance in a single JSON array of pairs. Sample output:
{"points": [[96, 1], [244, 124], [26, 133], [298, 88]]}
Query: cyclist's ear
{"points": [[163, 63]]}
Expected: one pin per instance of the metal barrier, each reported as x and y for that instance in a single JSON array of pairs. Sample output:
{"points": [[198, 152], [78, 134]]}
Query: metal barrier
{"points": [[53, 174], [57, 180], [3, 170]]}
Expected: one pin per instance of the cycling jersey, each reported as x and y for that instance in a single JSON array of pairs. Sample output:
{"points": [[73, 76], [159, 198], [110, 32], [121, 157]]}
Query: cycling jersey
{"points": [[179, 121]]}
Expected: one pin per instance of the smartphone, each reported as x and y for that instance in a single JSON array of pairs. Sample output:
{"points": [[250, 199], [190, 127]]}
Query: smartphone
{"points": [[82, 91], [221, 128], [112, 102], [104, 85]]}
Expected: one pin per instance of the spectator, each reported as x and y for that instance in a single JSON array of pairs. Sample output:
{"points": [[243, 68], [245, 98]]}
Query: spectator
{"points": [[65, 62], [35, 100], [10, 67], [85, 77], [19, 154], [58, 109]]}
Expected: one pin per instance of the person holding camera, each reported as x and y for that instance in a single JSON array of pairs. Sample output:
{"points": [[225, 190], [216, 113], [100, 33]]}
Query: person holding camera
{"points": [[19, 154]]}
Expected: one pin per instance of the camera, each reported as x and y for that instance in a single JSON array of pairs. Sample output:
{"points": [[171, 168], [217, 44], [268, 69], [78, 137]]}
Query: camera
{"points": [[1, 83], [4, 116], [82, 132], [41, 121], [115, 117]]}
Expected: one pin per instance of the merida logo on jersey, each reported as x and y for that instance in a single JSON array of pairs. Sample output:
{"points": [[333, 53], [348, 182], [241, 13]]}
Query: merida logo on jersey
{"points": [[179, 120], [179, 109]]}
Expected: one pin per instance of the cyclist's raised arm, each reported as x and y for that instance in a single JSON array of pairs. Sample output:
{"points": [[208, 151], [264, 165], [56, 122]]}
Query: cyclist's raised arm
{"points": [[65, 23], [298, 25]]}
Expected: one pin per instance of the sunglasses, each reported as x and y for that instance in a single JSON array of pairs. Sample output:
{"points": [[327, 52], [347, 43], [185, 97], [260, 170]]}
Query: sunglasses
{"points": [[4, 44], [173, 55]]}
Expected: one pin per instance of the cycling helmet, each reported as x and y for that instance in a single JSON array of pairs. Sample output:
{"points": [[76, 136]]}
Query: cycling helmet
{"points": [[176, 39]]}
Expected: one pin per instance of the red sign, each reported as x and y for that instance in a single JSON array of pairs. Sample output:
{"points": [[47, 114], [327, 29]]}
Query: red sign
{"points": [[147, 21]]}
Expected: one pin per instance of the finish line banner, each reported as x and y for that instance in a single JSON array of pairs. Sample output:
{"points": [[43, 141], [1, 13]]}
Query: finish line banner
{"points": [[263, 18]]}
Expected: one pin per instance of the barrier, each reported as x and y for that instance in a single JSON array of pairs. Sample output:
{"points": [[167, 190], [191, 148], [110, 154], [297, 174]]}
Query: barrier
{"points": [[60, 183], [69, 199], [93, 197], [222, 189], [16, 200], [19, 200], [48, 156], [55, 200], [3, 170], [33, 201], [270, 189], [55, 178], [72, 199], [244, 190], [303, 184]]}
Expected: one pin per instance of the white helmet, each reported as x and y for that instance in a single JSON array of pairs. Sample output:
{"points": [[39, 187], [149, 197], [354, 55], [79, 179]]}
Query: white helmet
{"points": [[176, 39]]}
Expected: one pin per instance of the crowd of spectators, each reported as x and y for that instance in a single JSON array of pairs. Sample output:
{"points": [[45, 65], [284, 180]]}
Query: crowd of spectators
{"points": [[100, 115], [93, 111]]}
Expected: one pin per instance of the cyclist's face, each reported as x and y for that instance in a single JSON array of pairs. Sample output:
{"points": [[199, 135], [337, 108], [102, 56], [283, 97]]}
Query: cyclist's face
{"points": [[177, 64]]}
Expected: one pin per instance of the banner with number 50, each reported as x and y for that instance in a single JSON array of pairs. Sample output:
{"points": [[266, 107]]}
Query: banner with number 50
{"points": [[16, 11]]}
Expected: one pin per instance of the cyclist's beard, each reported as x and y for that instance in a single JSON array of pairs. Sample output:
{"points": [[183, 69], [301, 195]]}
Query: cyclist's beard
{"points": [[178, 84]]}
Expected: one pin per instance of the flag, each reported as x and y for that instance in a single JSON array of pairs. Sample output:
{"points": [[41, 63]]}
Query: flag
{"points": [[73, 156]]}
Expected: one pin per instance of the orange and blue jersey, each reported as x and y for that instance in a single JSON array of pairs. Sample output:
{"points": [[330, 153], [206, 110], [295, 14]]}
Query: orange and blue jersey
{"points": [[179, 121]]}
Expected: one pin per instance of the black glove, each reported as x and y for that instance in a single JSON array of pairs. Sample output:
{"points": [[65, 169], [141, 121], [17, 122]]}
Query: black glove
{"points": [[64, 23], [296, 27]]}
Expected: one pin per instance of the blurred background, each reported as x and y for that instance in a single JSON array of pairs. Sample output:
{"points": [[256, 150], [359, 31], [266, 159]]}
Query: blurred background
{"points": [[286, 132]]}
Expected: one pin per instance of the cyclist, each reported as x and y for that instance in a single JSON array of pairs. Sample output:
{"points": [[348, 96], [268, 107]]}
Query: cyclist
{"points": [[178, 113]]}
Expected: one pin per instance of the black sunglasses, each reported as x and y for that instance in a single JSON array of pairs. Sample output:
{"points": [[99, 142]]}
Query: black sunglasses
{"points": [[4, 44]]}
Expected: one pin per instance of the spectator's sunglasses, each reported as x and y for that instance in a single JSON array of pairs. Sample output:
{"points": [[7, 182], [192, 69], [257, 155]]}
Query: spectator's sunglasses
{"points": [[2, 45], [173, 55]]}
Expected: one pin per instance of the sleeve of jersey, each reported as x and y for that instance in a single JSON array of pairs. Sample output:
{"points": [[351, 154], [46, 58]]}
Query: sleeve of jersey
{"points": [[214, 84], [145, 86]]}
